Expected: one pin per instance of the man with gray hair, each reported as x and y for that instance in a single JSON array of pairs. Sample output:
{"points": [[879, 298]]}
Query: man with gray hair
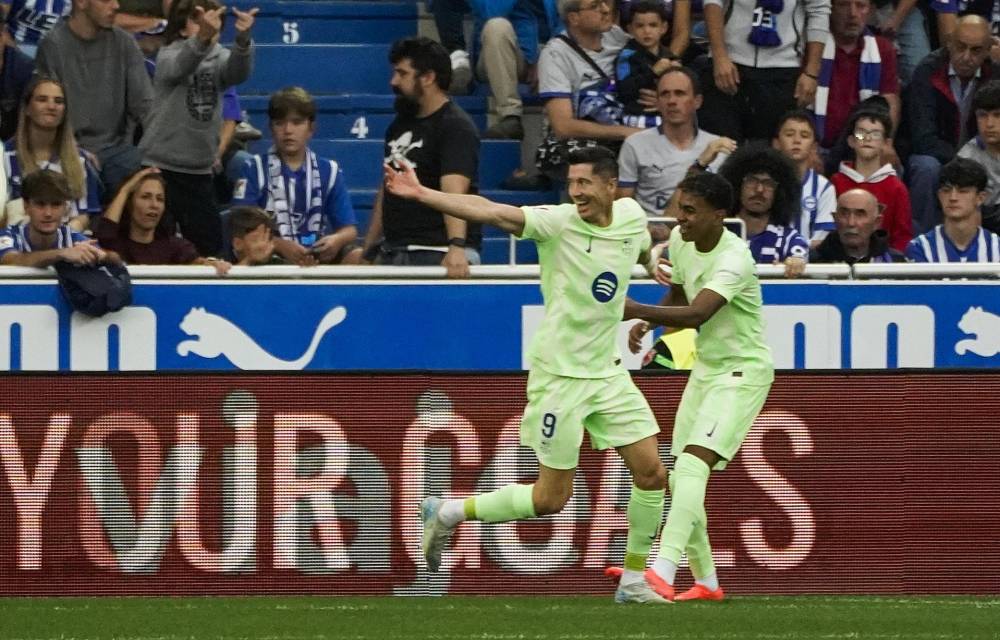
{"points": [[858, 237]]}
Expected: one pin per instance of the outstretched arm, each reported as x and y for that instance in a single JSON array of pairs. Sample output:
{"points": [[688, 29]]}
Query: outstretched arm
{"points": [[404, 184], [704, 306]]}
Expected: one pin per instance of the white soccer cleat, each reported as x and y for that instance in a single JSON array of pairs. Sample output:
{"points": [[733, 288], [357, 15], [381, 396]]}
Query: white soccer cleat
{"points": [[638, 593], [436, 534]]}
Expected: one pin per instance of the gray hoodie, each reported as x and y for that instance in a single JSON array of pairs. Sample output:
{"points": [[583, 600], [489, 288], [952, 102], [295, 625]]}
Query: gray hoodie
{"points": [[182, 130], [801, 21]]}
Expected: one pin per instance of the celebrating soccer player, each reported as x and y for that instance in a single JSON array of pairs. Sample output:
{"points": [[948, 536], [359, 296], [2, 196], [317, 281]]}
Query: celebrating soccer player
{"points": [[586, 251], [714, 270]]}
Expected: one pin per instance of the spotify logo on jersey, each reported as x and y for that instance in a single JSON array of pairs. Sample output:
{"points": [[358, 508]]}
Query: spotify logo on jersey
{"points": [[604, 287]]}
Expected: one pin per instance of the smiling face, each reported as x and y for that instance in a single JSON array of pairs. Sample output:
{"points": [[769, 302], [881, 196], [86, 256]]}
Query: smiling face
{"points": [[592, 193], [696, 218], [46, 107], [147, 203]]}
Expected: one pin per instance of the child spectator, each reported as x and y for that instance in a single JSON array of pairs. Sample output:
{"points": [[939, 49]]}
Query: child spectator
{"points": [[642, 61], [985, 148], [868, 132], [44, 140], [306, 194], [796, 139], [961, 237], [182, 131], [252, 231], [131, 226]]}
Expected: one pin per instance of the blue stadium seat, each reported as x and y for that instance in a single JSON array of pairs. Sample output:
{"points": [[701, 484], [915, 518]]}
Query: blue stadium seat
{"points": [[331, 22], [320, 68]]}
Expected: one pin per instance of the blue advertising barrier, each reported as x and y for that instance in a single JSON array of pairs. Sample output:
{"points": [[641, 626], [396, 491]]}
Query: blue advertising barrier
{"points": [[227, 325]]}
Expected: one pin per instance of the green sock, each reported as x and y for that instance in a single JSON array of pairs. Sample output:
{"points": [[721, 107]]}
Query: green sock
{"points": [[645, 510], [687, 506], [699, 551], [512, 502]]}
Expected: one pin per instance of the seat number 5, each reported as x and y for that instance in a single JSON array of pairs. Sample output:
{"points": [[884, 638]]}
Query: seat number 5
{"points": [[291, 32]]}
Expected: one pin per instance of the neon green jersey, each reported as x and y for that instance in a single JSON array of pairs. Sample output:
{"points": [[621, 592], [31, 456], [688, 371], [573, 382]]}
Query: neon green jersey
{"points": [[732, 339], [585, 275]]}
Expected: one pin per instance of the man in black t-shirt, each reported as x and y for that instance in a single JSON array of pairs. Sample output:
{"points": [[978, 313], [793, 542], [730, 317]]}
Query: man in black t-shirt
{"points": [[439, 139]]}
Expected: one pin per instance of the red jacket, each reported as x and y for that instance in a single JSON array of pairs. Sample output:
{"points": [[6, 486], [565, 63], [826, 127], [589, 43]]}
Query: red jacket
{"points": [[891, 193]]}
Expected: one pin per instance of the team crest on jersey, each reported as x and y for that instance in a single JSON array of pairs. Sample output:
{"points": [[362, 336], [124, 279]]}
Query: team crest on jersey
{"points": [[604, 287], [809, 203]]}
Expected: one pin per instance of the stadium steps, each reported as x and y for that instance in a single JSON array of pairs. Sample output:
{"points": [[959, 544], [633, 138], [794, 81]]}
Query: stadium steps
{"points": [[331, 22]]}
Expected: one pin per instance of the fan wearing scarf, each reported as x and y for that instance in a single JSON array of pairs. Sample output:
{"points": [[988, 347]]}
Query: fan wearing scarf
{"points": [[305, 194]]}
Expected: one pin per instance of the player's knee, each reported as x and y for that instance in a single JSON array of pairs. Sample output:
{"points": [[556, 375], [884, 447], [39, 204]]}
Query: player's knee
{"points": [[652, 478], [551, 502]]}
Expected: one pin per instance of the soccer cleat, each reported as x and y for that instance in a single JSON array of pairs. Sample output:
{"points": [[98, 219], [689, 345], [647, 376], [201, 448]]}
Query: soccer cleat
{"points": [[700, 592], [436, 534], [638, 593], [658, 584]]}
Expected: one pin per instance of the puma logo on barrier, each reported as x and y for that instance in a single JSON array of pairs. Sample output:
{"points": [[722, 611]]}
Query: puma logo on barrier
{"points": [[215, 336], [985, 326]]}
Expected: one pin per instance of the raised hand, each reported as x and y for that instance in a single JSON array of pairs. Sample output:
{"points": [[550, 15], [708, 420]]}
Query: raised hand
{"points": [[245, 19], [209, 22], [403, 182]]}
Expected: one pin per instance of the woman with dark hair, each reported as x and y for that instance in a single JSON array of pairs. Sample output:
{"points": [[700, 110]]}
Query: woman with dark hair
{"points": [[768, 197], [131, 226], [44, 140]]}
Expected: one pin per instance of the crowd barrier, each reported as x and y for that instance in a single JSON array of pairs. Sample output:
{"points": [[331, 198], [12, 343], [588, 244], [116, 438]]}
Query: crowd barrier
{"points": [[129, 484], [363, 318]]}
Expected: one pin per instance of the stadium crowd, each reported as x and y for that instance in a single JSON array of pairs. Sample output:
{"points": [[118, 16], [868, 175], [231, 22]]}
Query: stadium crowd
{"points": [[845, 136]]}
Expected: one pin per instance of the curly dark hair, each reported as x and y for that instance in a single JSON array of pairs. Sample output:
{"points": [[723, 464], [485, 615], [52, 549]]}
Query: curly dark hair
{"points": [[759, 157]]}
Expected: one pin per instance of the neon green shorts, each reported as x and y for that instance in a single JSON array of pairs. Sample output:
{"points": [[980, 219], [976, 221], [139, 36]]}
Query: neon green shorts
{"points": [[717, 413], [612, 410]]}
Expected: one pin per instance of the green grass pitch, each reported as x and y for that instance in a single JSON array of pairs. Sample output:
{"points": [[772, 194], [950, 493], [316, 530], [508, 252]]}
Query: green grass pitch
{"points": [[500, 618]]}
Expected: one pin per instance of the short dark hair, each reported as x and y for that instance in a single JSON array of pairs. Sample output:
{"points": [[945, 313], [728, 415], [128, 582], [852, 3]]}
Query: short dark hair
{"points": [[710, 187], [602, 159], [963, 172], [869, 112], [692, 76], [987, 97], [796, 115], [45, 186], [179, 13], [425, 55], [291, 100], [648, 6], [243, 220]]}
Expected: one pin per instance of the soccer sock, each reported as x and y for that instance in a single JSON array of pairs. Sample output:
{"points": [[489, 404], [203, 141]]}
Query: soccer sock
{"points": [[645, 509], [452, 512], [687, 508], [699, 553], [512, 502]]}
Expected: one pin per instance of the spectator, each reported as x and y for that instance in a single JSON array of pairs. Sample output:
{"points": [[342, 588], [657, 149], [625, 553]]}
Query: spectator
{"points": [[42, 239], [796, 140], [960, 238], [642, 61], [104, 76], [858, 237], [856, 66], [131, 226], [679, 14], [306, 195], [939, 110], [439, 139], [449, 18], [509, 33], [870, 131], [44, 140], [575, 79], [985, 148], [252, 231], [16, 70], [182, 133], [26, 22], [768, 199], [231, 154], [653, 161], [759, 67]]}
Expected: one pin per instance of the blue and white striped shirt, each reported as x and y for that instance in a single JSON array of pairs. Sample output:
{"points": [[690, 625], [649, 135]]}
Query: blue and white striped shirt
{"points": [[936, 246], [16, 239], [31, 20], [819, 201], [89, 201], [777, 243]]}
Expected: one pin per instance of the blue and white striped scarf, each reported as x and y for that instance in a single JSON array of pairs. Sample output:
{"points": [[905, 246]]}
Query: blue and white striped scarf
{"points": [[869, 77]]}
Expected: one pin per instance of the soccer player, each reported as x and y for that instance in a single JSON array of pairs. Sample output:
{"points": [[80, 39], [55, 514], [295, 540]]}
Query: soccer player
{"points": [[586, 251], [713, 288]]}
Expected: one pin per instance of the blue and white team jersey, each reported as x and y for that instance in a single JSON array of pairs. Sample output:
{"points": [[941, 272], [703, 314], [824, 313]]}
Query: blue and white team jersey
{"points": [[16, 239], [819, 201], [777, 243], [31, 20], [90, 200], [936, 246], [307, 203]]}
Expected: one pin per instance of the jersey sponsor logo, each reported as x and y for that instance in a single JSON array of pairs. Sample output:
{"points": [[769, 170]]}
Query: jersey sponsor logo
{"points": [[604, 287], [215, 335], [985, 327]]}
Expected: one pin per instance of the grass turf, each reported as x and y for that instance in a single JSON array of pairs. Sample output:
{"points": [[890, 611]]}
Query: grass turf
{"points": [[527, 618]]}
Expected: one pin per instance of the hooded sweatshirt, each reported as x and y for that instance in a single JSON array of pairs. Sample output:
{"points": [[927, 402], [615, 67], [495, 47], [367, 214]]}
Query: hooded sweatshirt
{"points": [[891, 193]]}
